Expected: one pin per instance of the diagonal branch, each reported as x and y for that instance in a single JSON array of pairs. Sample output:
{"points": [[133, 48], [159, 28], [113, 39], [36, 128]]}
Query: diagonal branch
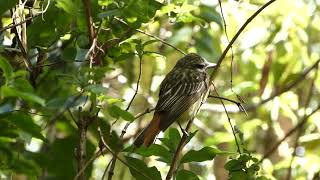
{"points": [[113, 163], [224, 53], [153, 36], [289, 133], [182, 142], [286, 88], [21, 46]]}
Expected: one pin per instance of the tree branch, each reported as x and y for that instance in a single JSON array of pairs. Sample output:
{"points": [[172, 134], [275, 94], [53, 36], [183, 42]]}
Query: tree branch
{"points": [[113, 163], [115, 154], [289, 133], [184, 137], [224, 53], [12, 25], [301, 130], [287, 88], [103, 151], [81, 149], [21, 46], [153, 36]]}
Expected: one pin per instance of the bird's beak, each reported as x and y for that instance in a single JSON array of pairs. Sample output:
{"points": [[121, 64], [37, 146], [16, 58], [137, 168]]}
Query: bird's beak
{"points": [[211, 65]]}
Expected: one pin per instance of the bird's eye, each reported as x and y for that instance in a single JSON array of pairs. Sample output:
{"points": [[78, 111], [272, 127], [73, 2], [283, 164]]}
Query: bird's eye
{"points": [[199, 66]]}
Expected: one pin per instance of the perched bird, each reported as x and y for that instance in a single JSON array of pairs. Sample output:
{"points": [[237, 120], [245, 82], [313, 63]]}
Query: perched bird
{"points": [[181, 93]]}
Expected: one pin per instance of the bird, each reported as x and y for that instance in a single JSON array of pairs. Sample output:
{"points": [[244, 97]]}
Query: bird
{"points": [[181, 93]]}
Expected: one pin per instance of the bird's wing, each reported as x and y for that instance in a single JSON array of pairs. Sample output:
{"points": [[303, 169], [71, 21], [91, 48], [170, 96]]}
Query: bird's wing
{"points": [[178, 92]]}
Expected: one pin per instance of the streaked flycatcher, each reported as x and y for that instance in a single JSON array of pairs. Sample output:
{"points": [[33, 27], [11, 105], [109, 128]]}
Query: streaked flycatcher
{"points": [[181, 93]]}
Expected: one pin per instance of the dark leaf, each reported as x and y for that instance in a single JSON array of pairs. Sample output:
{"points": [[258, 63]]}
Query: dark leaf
{"points": [[116, 112], [12, 92], [6, 5], [155, 150], [141, 171], [25, 123], [186, 175], [204, 154]]}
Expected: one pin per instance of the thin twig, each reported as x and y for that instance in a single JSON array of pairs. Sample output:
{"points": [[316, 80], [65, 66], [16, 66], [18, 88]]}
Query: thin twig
{"points": [[114, 154], [55, 117], [232, 54], [22, 48], [103, 151], [113, 163], [143, 113], [12, 25], [184, 137], [161, 40], [223, 98], [224, 53], [182, 143], [241, 108], [153, 36], [300, 131], [229, 120]]}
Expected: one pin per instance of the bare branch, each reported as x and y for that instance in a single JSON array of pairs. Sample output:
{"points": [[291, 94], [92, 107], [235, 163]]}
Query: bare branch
{"points": [[65, 108], [12, 25], [182, 143], [229, 120], [224, 53], [21, 46], [301, 129], [289, 133], [153, 36], [81, 149], [115, 154], [103, 151], [113, 163]]}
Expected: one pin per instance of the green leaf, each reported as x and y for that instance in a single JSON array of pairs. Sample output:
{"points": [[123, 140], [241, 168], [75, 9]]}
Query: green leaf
{"points": [[204, 154], [155, 150], [233, 165], [96, 88], [174, 137], [140, 11], [6, 68], [238, 175], [113, 12], [116, 112], [25, 123], [11, 92], [150, 42], [68, 6], [186, 175], [6, 5], [141, 171], [209, 14]]}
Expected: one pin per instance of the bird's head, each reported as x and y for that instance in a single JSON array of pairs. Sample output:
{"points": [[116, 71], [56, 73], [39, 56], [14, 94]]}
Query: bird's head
{"points": [[195, 62]]}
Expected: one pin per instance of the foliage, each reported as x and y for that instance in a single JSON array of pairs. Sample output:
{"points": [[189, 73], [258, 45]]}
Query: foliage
{"points": [[98, 78]]}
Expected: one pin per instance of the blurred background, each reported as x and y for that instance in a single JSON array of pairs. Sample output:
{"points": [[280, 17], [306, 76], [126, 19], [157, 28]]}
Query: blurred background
{"points": [[273, 66]]}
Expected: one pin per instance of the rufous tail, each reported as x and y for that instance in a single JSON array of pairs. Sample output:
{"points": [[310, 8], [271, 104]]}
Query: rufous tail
{"points": [[149, 133]]}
